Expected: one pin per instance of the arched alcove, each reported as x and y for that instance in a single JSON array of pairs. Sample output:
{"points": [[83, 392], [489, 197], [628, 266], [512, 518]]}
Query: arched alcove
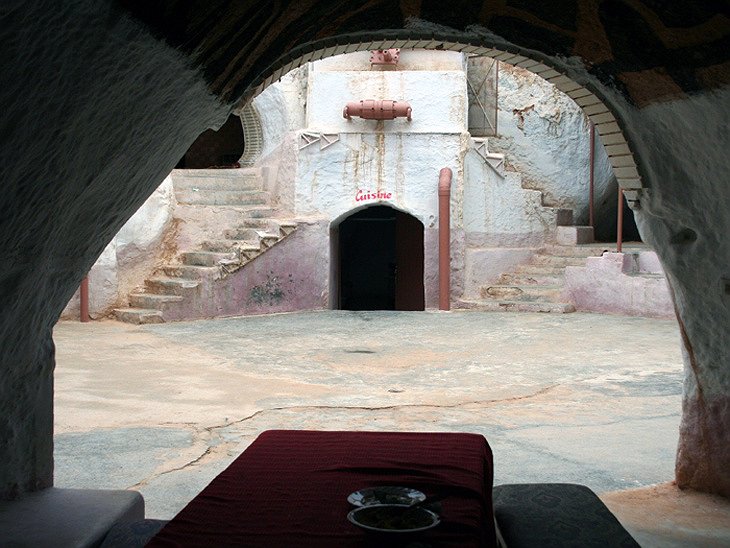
{"points": [[655, 84], [377, 259], [216, 149]]}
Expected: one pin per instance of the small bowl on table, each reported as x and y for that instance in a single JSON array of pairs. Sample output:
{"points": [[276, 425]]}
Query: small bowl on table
{"points": [[393, 518]]}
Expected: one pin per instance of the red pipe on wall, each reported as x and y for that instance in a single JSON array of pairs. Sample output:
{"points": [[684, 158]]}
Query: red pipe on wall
{"points": [[620, 221], [84, 299], [377, 110], [445, 239], [591, 184]]}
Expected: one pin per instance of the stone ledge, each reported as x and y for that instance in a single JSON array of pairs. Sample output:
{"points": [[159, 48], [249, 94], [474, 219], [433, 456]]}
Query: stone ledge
{"points": [[66, 517]]}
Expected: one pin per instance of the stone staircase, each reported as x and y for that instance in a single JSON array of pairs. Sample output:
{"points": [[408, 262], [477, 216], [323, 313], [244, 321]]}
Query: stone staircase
{"points": [[538, 285], [232, 210]]}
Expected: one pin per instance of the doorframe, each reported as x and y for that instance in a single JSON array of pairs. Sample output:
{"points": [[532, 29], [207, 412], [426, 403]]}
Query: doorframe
{"points": [[334, 299]]}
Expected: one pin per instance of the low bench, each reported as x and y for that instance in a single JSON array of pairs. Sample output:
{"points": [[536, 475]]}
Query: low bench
{"points": [[78, 518], [556, 514]]}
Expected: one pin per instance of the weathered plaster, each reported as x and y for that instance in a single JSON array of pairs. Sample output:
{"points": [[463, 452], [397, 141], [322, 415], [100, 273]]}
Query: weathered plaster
{"points": [[363, 169], [281, 108], [544, 135], [443, 112], [614, 284], [499, 211], [130, 256], [293, 275]]}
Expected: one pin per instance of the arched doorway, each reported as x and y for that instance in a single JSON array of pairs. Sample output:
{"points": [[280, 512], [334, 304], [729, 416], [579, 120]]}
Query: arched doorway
{"points": [[221, 148], [378, 260]]}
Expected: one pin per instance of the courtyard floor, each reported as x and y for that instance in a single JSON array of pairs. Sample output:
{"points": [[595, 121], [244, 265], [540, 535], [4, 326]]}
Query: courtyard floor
{"points": [[582, 398]]}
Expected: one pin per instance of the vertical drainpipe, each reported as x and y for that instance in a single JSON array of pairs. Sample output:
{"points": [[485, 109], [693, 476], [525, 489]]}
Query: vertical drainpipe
{"points": [[620, 221], [445, 239], [591, 219], [84, 299]]}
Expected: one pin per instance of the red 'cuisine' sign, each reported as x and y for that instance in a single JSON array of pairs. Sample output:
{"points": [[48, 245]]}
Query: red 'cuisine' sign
{"points": [[364, 195]]}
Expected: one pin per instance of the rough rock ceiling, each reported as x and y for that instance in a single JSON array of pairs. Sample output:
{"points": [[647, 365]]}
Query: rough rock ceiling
{"points": [[649, 49]]}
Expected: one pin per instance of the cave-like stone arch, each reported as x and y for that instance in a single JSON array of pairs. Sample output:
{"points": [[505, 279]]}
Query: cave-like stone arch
{"points": [[119, 89], [586, 95]]}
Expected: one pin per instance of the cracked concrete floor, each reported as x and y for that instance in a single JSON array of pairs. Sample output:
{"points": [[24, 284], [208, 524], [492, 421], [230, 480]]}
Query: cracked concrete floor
{"points": [[583, 398]]}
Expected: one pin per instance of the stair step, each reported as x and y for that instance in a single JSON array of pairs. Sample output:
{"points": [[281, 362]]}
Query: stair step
{"points": [[563, 217], [207, 258], [516, 306], [229, 245], [586, 250], [539, 269], [534, 292], [267, 239], [267, 225], [190, 272], [570, 235], [152, 300], [170, 286], [535, 278], [138, 316], [556, 261], [222, 197], [216, 179]]}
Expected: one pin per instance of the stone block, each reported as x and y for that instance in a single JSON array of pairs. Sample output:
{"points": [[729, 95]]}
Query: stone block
{"points": [[572, 235]]}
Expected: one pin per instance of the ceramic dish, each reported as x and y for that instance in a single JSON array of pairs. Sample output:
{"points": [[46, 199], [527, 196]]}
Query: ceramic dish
{"points": [[393, 518], [386, 494]]}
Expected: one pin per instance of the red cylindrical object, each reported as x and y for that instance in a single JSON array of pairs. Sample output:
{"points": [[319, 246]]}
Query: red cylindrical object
{"points": [[620, 221], [592, 162], [445, 239], [84, 299], [377, 110]]}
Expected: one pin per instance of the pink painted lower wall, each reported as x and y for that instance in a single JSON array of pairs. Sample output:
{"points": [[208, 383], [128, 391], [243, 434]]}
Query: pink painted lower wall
{"points": [[618, 283], [292, 275]]}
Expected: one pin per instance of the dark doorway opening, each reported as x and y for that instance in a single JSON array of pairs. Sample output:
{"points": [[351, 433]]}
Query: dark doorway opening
{"points": [[380, 261], [605, 229], [216, 149]]}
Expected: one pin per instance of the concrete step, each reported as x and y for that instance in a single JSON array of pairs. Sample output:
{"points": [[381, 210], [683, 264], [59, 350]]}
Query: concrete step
{"points": [[207, 258], [527, 293], [229, 179], [266, 225], [190, 272], [138, 316], [153, 301], [164, 285], [571, 235], [225, 212], [532, 278], [267, 239], [219, 183], [557, 261], [229, 245], [222, 197], [286, 227], [516, 306], [563, 217], [585, 250]]}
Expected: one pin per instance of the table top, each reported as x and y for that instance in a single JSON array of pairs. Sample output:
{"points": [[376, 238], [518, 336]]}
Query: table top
{"points": [[290, 488]]}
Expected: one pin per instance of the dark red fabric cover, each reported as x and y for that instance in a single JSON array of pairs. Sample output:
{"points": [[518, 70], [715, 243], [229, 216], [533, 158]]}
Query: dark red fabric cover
{"points": [[290, 487]]}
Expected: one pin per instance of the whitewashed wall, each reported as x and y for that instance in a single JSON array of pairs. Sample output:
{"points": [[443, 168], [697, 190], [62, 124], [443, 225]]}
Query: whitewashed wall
{"points": [[545, 136], [129, 257], [375, 168]]}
